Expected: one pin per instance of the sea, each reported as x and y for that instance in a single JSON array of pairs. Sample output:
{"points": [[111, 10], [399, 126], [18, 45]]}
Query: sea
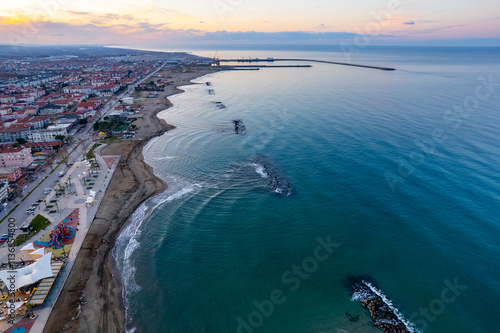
{"points": [[391, 177]]}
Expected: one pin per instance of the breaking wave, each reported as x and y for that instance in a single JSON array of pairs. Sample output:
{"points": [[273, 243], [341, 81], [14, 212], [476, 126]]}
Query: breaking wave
{"points": [[128, 241], [366, 290]]}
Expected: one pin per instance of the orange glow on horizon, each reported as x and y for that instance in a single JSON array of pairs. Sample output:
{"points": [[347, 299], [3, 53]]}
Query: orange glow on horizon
{"points": [[14, 20]]}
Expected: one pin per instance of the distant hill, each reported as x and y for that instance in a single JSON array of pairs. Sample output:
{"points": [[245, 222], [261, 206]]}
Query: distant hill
{"points": [[41, 51]]}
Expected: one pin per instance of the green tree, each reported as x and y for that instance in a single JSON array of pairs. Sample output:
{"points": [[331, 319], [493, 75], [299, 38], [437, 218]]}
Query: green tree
{"points": [[60, 138], [21, 141], [83, 121], [29, 308]]}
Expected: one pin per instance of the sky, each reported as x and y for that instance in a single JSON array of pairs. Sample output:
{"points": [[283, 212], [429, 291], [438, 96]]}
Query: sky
{"points": [[197, 22]]}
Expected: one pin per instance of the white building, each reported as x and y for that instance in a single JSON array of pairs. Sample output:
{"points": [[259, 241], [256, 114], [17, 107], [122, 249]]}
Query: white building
{"points": [[60, 127], [4, 186], [128, 100], [46, 135]]}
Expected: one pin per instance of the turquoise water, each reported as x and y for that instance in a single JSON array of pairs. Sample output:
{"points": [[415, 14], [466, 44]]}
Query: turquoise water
{"points": [[379, 163]]}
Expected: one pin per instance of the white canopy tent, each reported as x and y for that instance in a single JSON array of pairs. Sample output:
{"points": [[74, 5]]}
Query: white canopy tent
{"points": [[39, 252], [17, 305], [41, 269], [92, 193], [28, 247]]}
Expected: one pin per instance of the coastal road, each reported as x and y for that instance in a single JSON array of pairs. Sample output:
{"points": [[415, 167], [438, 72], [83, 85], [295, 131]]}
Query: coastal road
{"points": [[113, 102], [80, 142], [44, 179]]}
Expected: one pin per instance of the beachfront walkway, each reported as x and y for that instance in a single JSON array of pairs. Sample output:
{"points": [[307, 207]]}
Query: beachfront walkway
{"points": [[77, 199]]}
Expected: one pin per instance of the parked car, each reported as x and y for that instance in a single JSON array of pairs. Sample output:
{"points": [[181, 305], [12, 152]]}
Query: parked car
{"points": [[26, 227]]}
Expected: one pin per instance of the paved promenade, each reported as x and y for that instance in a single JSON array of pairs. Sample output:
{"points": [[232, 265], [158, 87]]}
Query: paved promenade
{"points": [[67, 203]]}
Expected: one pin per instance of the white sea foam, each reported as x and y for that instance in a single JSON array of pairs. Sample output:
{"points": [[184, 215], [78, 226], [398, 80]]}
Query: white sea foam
{"points": [[162, 158], [183, 192], [260, 170], [127, 242], [228, 174], [363, 295]]}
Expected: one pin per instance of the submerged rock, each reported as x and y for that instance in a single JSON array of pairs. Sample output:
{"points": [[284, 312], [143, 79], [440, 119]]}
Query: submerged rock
{"points": [[352, 318], [239, 128], [220, 105]]}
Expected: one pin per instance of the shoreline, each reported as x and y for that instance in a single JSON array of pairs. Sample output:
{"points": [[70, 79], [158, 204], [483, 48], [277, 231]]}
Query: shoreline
{"points": [[92, 297]]}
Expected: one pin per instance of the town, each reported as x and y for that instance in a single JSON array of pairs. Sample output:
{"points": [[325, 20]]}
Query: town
{"points": [[58, 108]]}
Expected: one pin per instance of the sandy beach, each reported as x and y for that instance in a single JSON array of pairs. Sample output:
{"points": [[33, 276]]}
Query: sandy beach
{"points": [[91, 299]]}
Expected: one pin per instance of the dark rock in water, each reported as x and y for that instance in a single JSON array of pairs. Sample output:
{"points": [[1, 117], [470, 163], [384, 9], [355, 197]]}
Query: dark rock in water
{"points": [[277, 183], [384, 316], [239, 128], [352, 318], [220, 105]]}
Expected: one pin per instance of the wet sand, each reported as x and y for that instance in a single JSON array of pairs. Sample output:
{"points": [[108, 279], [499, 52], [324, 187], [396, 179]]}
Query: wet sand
{"points": [[91, 299]]}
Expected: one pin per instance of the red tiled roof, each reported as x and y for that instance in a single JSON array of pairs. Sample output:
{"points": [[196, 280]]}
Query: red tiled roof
{"points": [[41, 144], [10, 150], [86, 105]]}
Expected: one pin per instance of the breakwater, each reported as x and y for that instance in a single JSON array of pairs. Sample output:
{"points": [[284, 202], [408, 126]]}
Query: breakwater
{"points": [[218, 61], [265, 66]]}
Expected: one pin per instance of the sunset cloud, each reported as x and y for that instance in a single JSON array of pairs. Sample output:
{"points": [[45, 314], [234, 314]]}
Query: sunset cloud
{"points": [[197, 21], [137, 32]]}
